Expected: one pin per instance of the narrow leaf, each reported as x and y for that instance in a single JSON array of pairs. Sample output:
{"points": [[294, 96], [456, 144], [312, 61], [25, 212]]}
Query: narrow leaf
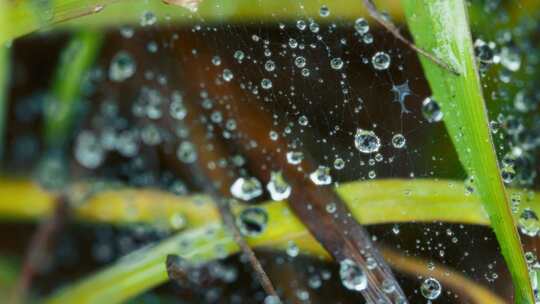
{"points": [[4, 79], [441, 27], [75, 61]]}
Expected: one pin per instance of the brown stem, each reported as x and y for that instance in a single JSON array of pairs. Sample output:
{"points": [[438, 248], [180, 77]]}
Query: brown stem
{"points": [[41, 245]]}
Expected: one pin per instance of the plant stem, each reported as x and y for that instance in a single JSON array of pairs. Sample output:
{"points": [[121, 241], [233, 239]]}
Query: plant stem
{"points": [[75, 61], [4, 82], [441, 27]]}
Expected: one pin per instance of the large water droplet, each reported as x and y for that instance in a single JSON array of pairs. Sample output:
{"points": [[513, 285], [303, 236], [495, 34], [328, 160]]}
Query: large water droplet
{"points": [[431, 289], [294, 157], [398, 141], [431, 110], [252, 221], [380, 61], [361, 26], [278, 188], [321, 176], [352, 276], [528, 222], [122, 67], [246, 188], [366, 141]]}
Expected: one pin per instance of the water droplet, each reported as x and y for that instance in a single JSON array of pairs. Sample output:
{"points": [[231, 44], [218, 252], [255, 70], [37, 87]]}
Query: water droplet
{"points": [[331, 207], [272, 300], [252, 221], [270, 66], [303, 120], [88, 150], [292, 249], [278, 188], [300, 62], [336, 63], [186, 152], [398, 141], [239, 55], [361, 26], [177, 221], [510, 59], [380, 61], [366, 141], [266, 83], [216, 60], [122, 67], [431, 289], [321, 176], [352, 276], [177, 109], [295, 158], [339, 163], [324, 11], [148, 18], [246, 188], [227, 75], [431, 110], [301, 25], [508, 174], [528, 222]]}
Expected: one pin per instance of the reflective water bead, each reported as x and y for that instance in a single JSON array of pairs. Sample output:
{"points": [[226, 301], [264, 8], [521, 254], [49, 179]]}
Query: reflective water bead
{"points": [[246, 188], [186, 152], [278, 188], [352, 276], [300, 61], [266, 83], [380, 61], [361, 26], [339, 163], [321, 176], [336, 63], [148, 18], [431, 288], [239, 55], [431, 110], [252, 221], [227, 75], [366, 141], [88, 150], [295, 158], [122, 67], [324, 11], [270, 66], [398, 141], [528, 222]]}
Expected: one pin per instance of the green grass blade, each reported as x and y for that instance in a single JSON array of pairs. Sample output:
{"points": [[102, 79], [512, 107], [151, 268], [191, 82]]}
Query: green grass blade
{"points": [[76, 59], [441, 27], [4, 80]]}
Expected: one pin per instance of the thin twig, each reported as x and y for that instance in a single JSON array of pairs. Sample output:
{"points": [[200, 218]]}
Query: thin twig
{"points": [[39, 250], [389, 26]]}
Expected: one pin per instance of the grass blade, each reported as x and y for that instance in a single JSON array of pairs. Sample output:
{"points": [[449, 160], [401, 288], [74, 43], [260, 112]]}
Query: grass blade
{"points": [[76, 59], [4, 79], [441, 27]]}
